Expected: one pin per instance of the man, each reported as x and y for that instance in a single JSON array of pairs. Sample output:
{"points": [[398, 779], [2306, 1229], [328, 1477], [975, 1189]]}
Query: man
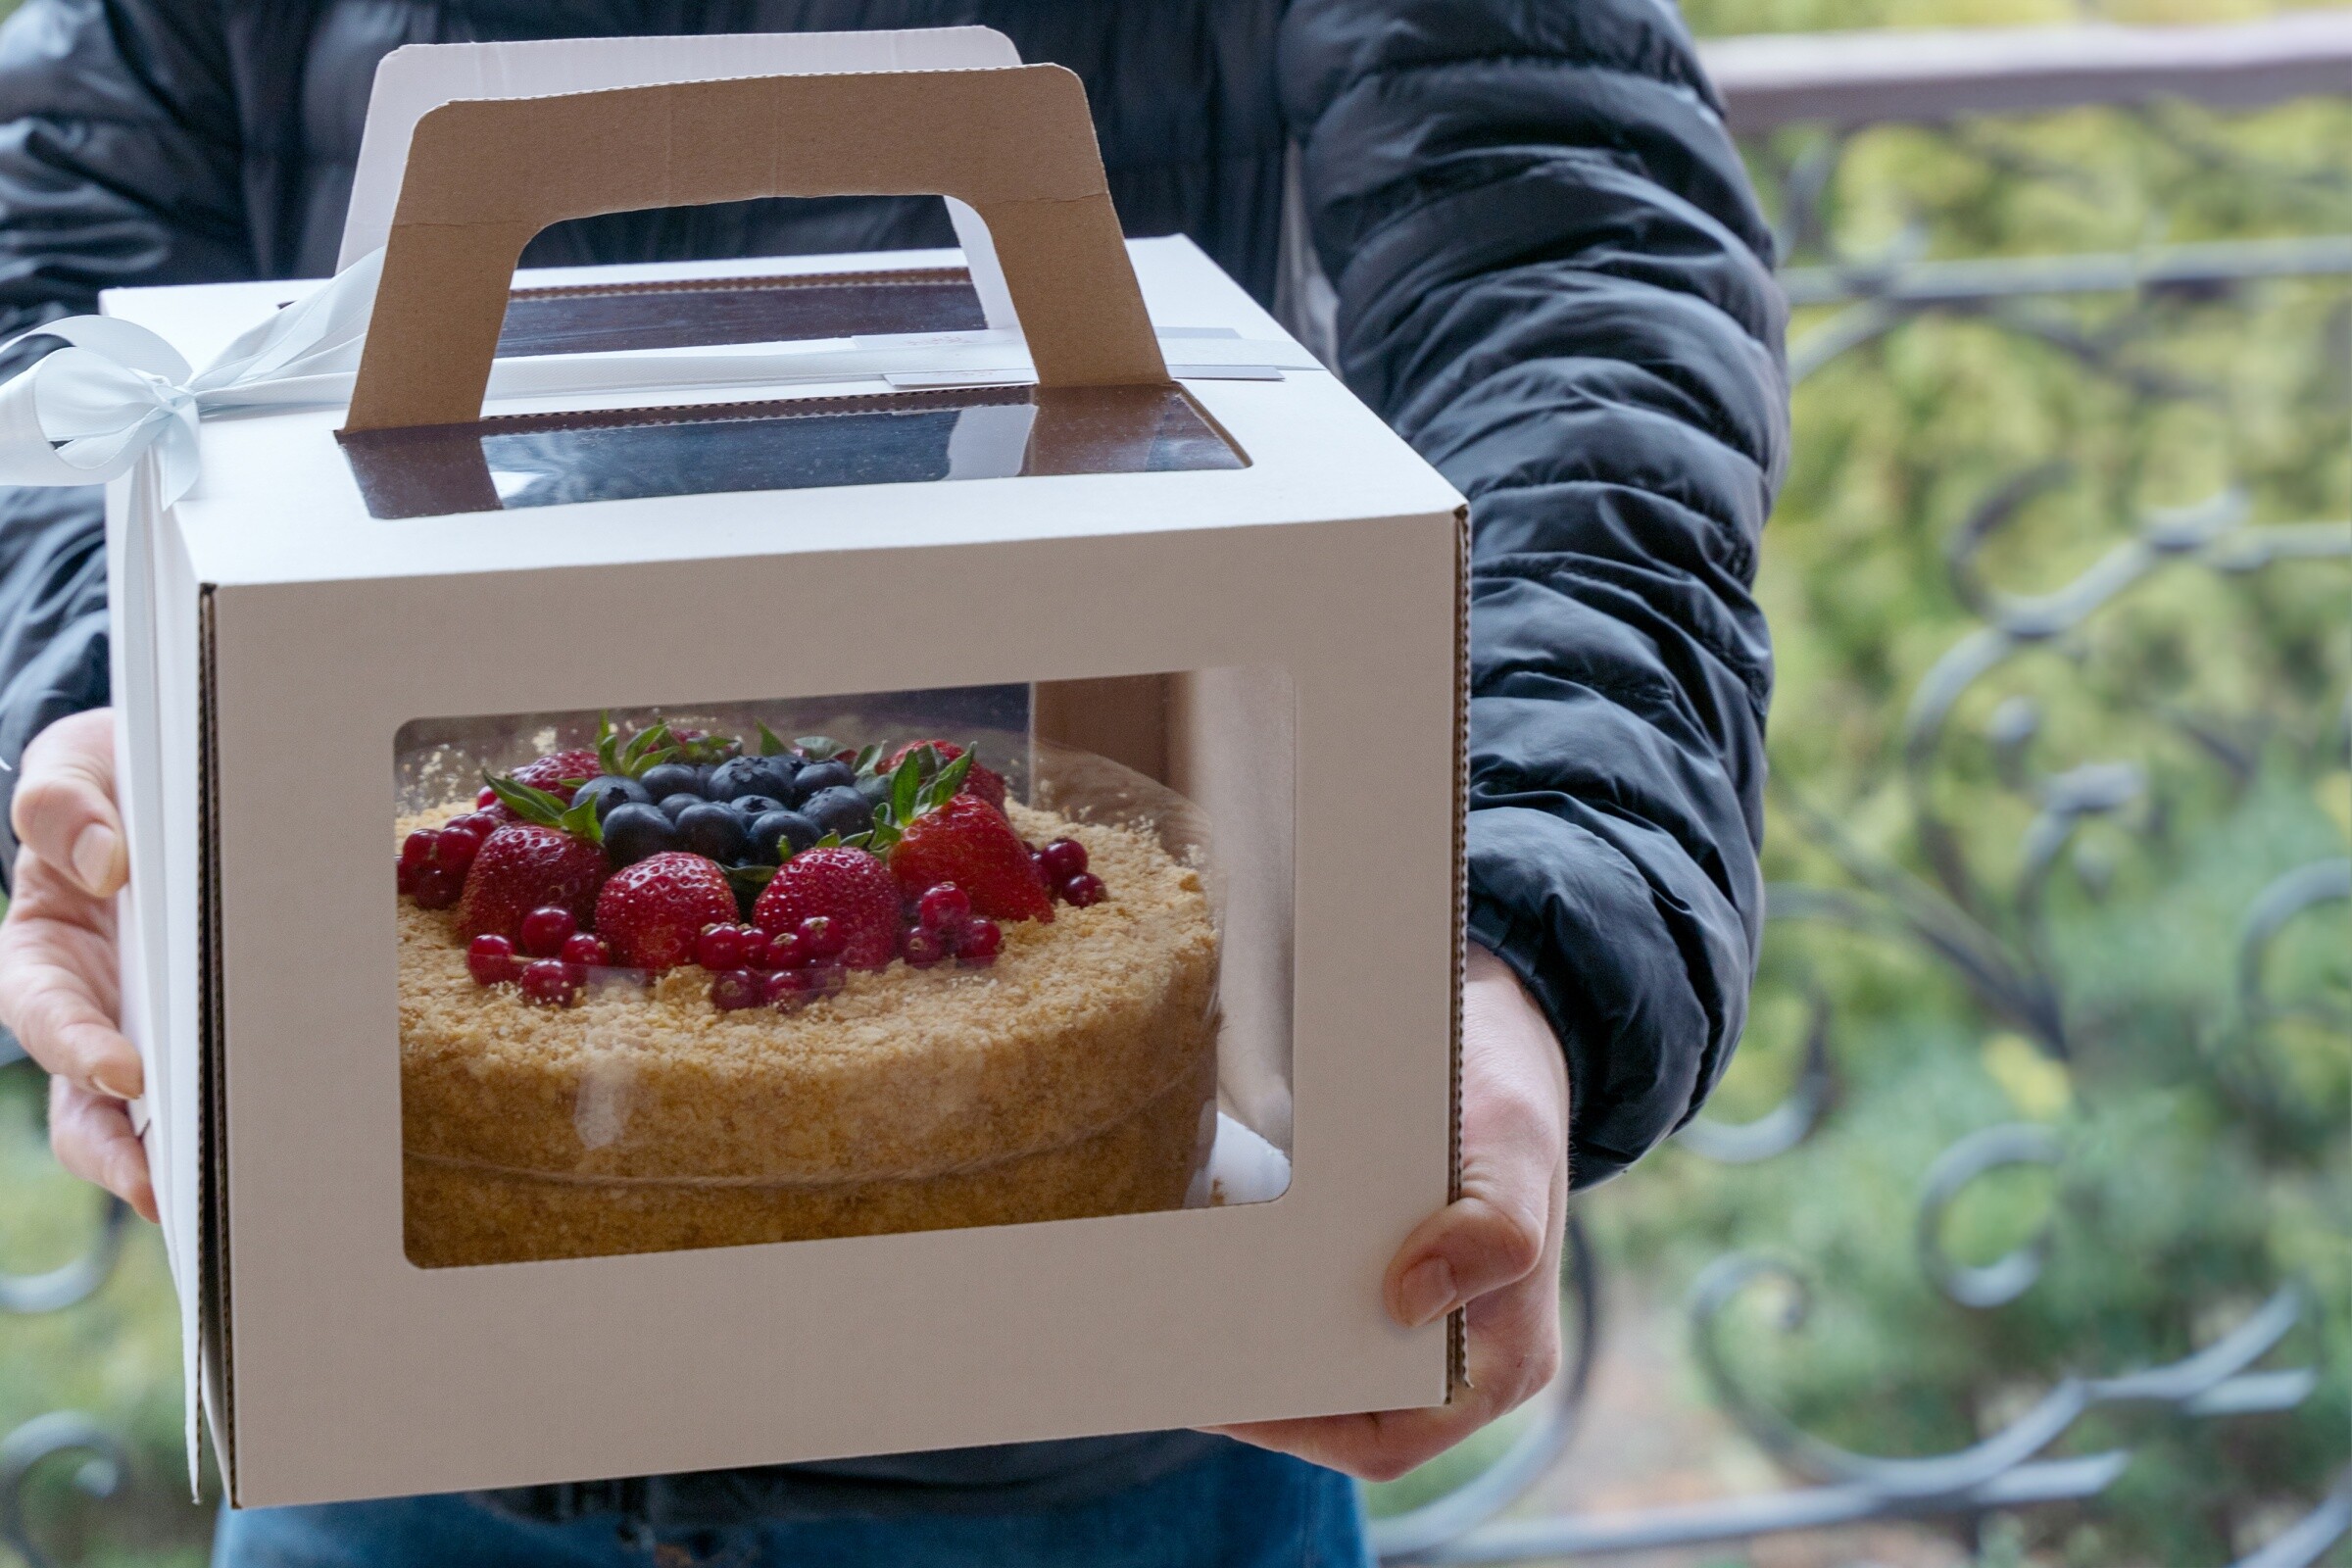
{"points": [[1550, 277]]}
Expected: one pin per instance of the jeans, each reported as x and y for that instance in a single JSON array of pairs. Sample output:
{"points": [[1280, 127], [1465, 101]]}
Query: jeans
{"points": [[1240, 1507]]}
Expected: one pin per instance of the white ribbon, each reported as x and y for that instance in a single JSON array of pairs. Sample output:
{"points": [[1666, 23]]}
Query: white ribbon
{"points": [[88, 411]]}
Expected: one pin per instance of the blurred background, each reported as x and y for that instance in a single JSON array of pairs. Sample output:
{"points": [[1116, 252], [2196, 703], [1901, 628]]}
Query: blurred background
{"points": [[2020, 1232]]}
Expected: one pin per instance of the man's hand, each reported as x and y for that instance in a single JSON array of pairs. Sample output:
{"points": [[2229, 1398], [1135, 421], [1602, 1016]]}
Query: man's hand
{"points": [[1496, 1250], [58, 987]]}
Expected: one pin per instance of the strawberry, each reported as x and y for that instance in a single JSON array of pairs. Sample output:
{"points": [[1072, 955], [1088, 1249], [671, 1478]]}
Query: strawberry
{"points": [[559, 772], [965, 841], [983, 782], [650, 912], [848, 887], [522, 867]]}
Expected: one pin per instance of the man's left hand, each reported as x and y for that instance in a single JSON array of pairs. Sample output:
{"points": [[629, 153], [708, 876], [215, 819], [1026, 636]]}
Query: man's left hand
{"points": [[1495, 1250]]}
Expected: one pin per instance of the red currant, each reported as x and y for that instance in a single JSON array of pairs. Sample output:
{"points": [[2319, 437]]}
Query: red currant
{"points": [[481, 824], [822, 939], [978, 947], [788, 951], [587, 950], [490, 959], [921, 949], [485, 797], [1082, 890], [417, 850], [1061, 859], [719, 946], [787, 988], [735, 990], [454, 848], [435, 887], [759, 954], [552, 983], [944, 908], [546, 930], [408, 876]]}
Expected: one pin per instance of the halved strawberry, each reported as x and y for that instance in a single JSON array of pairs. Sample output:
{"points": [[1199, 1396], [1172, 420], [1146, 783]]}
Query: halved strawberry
{"points": [[847, 886], [559, 772], [651, 911], [965, 841], [521, 868], [983, 782]]}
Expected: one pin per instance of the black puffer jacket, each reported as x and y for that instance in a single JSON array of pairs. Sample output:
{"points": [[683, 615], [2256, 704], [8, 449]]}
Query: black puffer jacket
{"points": [[1551, 278]]}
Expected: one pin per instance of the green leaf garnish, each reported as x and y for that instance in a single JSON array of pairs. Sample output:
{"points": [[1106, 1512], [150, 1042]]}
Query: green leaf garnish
{"points": [[942, 784], [771, 743], [537, 806], [642, 751], [818, 746]]}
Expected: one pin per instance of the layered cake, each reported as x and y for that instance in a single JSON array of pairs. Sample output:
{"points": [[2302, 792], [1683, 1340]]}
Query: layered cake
{"points": [[667, 993]]}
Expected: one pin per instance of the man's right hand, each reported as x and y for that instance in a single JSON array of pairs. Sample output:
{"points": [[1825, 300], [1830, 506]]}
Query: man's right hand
{"points": [[58, 991]]}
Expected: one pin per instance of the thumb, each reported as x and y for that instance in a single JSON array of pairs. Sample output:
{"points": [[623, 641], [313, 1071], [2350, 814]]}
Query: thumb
{"points": [[63, 811]]}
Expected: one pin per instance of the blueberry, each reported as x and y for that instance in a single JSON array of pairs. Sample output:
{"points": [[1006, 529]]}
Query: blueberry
{"points": [[839, 810], [635, 830], [788, 828], [750, 776], [817, 776], [675, 805], [710, 828], [609, 790], [750, 808], [672, 778]]}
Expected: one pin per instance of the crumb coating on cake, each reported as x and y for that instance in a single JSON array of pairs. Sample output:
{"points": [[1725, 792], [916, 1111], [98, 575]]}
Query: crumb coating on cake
{"points": [[912, 1078]]}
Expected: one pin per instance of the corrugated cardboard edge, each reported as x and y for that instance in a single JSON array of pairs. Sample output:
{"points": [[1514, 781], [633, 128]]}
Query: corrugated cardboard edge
{"points": [[212, 1143], [1458, 1325]]}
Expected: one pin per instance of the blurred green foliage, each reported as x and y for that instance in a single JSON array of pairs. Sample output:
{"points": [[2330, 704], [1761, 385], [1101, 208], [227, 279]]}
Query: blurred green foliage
{"points": [[2205, 1142]]}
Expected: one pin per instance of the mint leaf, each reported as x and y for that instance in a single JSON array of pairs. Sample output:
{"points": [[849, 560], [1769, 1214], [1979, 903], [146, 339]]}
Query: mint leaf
{"points": [[771, 743], [904, 785], [754, 877], [606, 752], [543, 809], [944, 785]]}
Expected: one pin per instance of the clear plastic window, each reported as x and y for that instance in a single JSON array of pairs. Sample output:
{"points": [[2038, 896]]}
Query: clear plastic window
{"points": [[818, 967]]}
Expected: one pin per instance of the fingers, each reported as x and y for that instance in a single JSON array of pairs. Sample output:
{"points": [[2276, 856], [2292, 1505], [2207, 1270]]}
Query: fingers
{"points": [[92, 1139], [1514, 1142], [58, 987], [1514, 1352], [63, 811], [1496, 1250]]}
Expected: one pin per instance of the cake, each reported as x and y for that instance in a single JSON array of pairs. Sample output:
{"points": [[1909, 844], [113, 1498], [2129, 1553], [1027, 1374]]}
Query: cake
{"points": [[968, 1011]]}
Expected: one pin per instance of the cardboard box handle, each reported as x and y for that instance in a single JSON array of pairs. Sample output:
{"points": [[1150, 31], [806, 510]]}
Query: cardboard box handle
{"points": [[485, 175]]}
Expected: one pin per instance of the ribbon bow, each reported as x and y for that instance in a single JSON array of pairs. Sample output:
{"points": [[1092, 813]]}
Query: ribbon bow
{"points": [[88, 411]]}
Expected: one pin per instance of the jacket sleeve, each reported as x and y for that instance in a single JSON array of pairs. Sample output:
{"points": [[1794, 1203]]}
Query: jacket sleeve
{"points": [[117, 164], [1555, 281]]}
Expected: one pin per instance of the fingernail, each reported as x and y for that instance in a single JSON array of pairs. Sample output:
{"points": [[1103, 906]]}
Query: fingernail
{"points": [[94, 855], [104, 1080], [1426, 1291]]}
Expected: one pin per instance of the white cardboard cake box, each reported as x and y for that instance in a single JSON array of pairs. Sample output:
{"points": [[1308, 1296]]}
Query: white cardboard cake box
{"points": [[272, 635]]}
